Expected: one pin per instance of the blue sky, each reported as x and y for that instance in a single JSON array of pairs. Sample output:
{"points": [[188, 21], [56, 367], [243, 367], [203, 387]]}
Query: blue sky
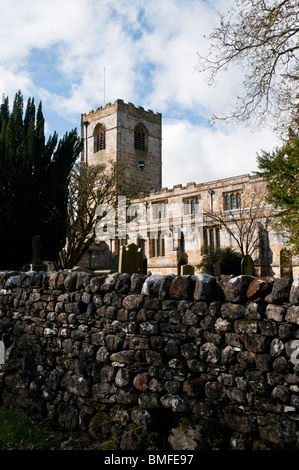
{"points": [[56, 52]]}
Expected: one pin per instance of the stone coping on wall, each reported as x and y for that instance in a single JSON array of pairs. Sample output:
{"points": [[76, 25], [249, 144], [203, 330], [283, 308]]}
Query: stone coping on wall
{"points": [[199, 287]]}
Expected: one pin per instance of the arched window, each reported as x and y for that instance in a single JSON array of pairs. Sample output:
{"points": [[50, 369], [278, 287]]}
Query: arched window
{"points": [[99, 138], [140, 138]]}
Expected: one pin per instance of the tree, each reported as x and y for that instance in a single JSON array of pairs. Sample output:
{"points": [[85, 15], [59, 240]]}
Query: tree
{"points": [[243, 223], [262, 37], [281, 169], [89, 187], [228, 259], [34, 177]]}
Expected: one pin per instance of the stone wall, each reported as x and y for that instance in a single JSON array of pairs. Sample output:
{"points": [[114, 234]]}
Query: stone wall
{"points": [[158, 362]]}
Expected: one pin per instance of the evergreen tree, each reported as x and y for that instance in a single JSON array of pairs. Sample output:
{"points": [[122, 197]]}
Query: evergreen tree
{"points": [[281, 168], [34, 178]]}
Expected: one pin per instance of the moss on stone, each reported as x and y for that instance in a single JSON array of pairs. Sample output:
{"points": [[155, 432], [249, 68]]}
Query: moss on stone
{"points": [[95, 425], [108, 445]]}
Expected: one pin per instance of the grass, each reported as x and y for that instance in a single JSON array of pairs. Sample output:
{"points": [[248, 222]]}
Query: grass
{"points": [[18, 432]]}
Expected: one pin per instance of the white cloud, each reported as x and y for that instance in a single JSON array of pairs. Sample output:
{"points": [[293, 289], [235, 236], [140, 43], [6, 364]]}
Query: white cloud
{"points": [[11, 82], [192, 153], [26, 24], [120, 36]]}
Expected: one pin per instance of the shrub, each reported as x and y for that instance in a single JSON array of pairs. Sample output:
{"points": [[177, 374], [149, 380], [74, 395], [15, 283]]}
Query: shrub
{"points": [[229, 260]]}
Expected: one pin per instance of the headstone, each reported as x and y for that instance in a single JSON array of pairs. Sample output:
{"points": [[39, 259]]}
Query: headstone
{"points": [[130, 259], [181, 262], [217, 269], [188, 269], [286, 263], [2, 353], [144, 265], [36, 263], [247, 266]]}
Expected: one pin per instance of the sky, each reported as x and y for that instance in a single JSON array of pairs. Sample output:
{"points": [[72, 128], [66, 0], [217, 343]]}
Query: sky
{"points": [[77, 55]]}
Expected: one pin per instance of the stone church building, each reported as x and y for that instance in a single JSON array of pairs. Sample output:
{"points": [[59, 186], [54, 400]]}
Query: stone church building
{"points": [[176, 226]]}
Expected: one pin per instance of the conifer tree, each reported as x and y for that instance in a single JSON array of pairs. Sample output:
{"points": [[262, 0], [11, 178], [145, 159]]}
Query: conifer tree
{"points": [[34, 177]]}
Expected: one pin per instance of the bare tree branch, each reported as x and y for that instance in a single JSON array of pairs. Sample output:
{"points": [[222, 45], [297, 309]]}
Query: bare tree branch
{"points": [[243, 224], [262, 37]]}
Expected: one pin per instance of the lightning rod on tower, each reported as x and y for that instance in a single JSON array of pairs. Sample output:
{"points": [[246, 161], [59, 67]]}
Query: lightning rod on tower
{"points": [[104, 87]]}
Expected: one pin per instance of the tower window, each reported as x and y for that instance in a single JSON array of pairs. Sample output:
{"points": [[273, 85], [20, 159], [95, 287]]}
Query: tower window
{"points": [[140, 138], [99, 138]]}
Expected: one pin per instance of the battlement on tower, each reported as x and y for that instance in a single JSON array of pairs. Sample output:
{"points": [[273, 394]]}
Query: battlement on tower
{"points": [[122, 106]]}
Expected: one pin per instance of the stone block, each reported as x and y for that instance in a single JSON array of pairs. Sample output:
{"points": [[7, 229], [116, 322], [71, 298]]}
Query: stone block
{"points": [[165, 286], [277, 430], [137, 281], [236, 288], [237, 421], [123, 283], [123, 357], [215, 391], [255, 343], [260, 287], [280, 292], [152, 285], [275, 312], [205, 287], [133, 301], [182, 287], [141, 381], [96, 283], [233, 311], [209, 353], [294, 292], [110, 282], [292, 314], [70, 282]]}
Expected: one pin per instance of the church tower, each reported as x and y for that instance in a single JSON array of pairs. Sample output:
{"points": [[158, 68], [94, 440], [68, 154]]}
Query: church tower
{"points": [[125, 134]]}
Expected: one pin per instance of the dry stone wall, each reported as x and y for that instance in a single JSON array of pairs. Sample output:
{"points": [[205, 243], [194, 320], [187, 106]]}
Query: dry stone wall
{"points": [[154, 362]]}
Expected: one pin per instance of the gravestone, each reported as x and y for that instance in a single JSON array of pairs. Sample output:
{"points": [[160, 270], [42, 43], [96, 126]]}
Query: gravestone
{"points": [[36, 263], [286, 263], [2, 353], [188, 269], [247, 266], [130, 259], [217, 269], [181, 262]]}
